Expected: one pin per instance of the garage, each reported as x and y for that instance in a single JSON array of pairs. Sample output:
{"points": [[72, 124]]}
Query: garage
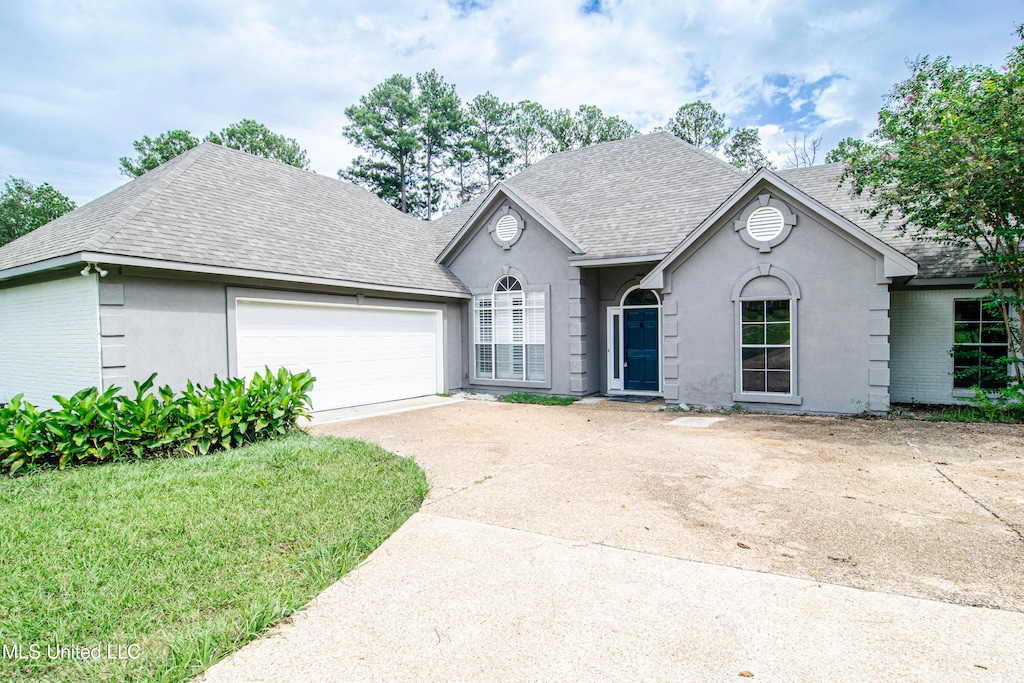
{"points": [[358, 354]]}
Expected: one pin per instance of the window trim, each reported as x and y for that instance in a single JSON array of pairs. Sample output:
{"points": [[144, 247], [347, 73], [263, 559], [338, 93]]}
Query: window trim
{"points": [[969, 391], [492, 228], [793, 398], [471, 323], [765, 199]]}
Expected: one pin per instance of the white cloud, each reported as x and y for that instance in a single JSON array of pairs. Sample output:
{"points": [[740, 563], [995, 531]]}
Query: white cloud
{"points": [[79, 82]]}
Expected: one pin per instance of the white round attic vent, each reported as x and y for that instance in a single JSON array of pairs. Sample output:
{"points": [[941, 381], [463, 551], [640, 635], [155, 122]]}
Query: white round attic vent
{"points": [[506, 228], [765, 224]]}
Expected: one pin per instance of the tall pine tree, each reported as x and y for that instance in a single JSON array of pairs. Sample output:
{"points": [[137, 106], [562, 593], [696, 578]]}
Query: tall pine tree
{"points": [[385, 125]]}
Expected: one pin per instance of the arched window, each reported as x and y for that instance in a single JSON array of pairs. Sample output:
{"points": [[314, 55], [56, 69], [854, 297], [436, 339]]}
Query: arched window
{"points": [[509, 332], [766, 315], [508, 284], [640, 297]]}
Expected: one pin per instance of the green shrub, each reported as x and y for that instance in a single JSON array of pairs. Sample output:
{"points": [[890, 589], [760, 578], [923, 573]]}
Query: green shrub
{"points": [[95, 427], [1005, 404], [538, 399]]}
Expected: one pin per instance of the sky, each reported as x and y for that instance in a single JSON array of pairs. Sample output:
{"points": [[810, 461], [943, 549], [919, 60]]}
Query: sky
{"points": [[79, 81]]}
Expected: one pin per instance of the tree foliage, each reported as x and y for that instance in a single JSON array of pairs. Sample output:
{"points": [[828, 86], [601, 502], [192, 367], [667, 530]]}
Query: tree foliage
{"points": [[246, 135], [151, 152], [529, 134], [385, 125], [743, 150], [490, 122], [24, 207], [441, 118], [700, 124], [847, 148], [704, 127], [462, 165], [256, 139], [588, 126], [946, 163], [421, 141]]}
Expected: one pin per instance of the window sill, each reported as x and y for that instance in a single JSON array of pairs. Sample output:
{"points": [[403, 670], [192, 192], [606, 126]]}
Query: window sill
{"points": [[515, 383], [969, 393], [784, 399]]}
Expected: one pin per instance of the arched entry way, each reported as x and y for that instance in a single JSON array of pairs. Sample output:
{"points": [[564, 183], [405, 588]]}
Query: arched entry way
{"points": [[634, 358]]}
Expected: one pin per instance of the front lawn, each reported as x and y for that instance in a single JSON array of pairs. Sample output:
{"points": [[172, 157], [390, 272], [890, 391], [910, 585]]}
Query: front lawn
{"points": [[169, 564]]}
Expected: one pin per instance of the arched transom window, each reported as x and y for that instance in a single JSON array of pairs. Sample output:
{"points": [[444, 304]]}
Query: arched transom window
{"points": [[640, 297], [509, 332]]}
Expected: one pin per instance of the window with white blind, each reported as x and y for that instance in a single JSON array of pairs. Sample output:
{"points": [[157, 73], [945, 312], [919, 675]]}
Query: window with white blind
{"points": [[509, 333]]}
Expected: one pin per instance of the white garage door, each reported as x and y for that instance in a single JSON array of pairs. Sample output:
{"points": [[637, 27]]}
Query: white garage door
{"points": [[358, 354]]}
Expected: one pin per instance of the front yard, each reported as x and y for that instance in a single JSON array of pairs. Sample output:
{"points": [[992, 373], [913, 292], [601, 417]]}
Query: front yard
{"points": [[161, 567]]}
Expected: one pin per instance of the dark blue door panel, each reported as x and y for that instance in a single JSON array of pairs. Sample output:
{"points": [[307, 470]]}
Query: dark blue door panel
{"points": [[641, 349]]}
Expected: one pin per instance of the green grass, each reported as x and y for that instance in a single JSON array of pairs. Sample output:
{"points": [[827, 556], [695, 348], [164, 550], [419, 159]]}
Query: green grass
{"points": [[539, 399], [186, 558], [974, 414]]}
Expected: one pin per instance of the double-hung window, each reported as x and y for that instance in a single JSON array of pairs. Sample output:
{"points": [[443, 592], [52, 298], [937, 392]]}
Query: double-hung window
{"points": [[509, 333]]}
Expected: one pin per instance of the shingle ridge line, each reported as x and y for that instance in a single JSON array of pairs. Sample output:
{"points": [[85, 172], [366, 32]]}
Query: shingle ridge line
{"points": [[118, 224]]}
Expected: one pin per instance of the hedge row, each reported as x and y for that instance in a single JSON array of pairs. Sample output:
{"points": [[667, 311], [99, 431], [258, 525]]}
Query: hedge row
{"points": [[94, 427]]}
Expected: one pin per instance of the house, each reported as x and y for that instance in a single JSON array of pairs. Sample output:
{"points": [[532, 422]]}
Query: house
{"points": [[642, 266]]}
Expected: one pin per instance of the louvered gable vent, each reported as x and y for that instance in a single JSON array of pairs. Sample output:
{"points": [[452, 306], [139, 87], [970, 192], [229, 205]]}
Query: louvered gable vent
{"points": [[765, 223]]}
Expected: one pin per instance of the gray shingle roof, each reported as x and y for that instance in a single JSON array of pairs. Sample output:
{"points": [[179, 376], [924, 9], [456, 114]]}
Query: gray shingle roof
{"points": [[215, 206], [644, 195], [631, 197], [934, 260]]}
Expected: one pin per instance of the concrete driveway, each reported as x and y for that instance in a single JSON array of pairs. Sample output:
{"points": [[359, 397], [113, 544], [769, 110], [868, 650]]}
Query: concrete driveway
{"points": [[601, 541]]}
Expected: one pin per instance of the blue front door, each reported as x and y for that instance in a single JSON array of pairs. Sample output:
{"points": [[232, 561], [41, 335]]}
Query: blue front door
{"points": [[640, 342]]}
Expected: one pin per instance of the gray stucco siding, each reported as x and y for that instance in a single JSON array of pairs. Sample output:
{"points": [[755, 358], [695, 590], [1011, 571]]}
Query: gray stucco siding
{"points": [[540, 261], [840, 344], [176, 328]]}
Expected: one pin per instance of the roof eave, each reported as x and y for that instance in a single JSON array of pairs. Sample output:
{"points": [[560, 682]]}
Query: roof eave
{"points": [[55, 263], [157, 264], [583, 261]]}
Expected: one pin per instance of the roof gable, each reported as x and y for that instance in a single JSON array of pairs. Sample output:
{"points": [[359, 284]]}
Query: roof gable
{"points": [[895, 264], [630, 197], [535, 209]]}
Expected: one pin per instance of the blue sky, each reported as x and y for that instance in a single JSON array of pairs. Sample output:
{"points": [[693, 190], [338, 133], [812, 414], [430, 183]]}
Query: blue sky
{"points": [[79, 81]]}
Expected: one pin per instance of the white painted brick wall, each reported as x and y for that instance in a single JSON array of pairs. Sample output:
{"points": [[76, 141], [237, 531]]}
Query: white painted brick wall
{"points": [[920, 340], [49, 339]]}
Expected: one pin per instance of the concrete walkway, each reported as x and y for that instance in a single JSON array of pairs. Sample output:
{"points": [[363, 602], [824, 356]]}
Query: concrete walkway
{"points": [[453, 600], [323, 417], [464, 592]]}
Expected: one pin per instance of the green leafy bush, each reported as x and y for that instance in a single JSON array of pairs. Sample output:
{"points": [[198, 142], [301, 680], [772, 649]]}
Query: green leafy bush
{"points": [[538, 399], [1005, 404], [94, 426]]}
